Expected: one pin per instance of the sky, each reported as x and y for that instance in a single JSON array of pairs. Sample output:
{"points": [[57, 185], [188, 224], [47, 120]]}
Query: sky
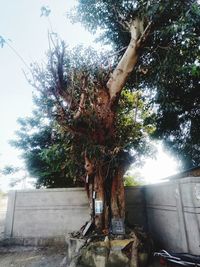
{"points": [[26, 32]]}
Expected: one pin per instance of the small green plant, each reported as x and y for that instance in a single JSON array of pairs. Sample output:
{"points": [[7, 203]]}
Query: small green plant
{"points": [[131, 180]]}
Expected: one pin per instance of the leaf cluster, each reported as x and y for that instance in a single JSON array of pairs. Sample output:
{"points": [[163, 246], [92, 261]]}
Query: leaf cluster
{"points": [[53, 142], [168, 69]]}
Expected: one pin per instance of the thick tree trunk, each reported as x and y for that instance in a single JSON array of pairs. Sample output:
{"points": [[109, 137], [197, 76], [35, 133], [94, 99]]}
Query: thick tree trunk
{"points": [[105, 188], [118, 196], [99, 199], [106, 195]]}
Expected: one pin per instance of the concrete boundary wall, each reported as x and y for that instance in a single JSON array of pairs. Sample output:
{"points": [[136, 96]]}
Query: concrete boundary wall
{"points": [[52, 213], [173, 212], [170, 211], [45, 213], [136, 206]]}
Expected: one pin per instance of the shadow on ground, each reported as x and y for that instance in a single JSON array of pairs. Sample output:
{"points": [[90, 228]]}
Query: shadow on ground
{"points": [[20, 256]]}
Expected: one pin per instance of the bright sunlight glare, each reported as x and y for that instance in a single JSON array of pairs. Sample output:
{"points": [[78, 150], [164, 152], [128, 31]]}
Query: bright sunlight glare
{"points": [[162, 166]]}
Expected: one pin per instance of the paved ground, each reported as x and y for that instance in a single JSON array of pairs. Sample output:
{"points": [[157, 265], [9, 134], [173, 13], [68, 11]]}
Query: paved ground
{"points": [[32, 257], [18, 256]]}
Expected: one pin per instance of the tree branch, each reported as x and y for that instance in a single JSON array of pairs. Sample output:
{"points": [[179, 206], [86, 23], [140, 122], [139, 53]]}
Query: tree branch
{"points": [[82, 97], [119, 77], [144, 34]]}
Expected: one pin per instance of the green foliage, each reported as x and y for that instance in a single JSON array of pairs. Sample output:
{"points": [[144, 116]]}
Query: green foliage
{"points": [[130, 127], [131, 181], [53, 152], [110, 15], [178, 98], [8, 169], [169, 85], [171, 58], [46, 150]]}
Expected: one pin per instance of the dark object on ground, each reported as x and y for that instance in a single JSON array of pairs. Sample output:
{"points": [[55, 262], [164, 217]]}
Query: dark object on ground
{"points": [[178, 259]]}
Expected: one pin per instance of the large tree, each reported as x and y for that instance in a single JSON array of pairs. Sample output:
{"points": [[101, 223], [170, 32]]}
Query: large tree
{"points": [[106, 123], [54, 156], [88, 99], [168, 68]]}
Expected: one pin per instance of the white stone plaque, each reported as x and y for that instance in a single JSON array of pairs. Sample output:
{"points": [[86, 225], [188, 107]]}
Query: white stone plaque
{"points": [[98, 206]]}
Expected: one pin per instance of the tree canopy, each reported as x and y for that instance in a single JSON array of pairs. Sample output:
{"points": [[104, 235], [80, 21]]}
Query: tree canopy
{"points": [[49, 153], [168, 68], [45, 151], [54, 156], [166, 75]]}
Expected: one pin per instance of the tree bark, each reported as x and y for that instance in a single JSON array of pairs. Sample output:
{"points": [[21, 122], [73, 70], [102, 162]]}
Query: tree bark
{"points": [[99, 195], [118, 196], [127, 63], [105, 189], [109, 189]]}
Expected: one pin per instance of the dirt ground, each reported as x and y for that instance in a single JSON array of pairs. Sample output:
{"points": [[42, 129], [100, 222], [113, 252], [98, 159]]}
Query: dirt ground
{"points": [[20, 256], [32, 257]]}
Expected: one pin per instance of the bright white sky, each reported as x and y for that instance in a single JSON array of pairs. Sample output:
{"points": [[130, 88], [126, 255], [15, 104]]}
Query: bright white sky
{"points": [[20, 22]]}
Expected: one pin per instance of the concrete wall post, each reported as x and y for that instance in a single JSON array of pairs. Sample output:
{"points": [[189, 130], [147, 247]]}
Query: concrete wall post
{"points": [[10, 214], [181, 218]]}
